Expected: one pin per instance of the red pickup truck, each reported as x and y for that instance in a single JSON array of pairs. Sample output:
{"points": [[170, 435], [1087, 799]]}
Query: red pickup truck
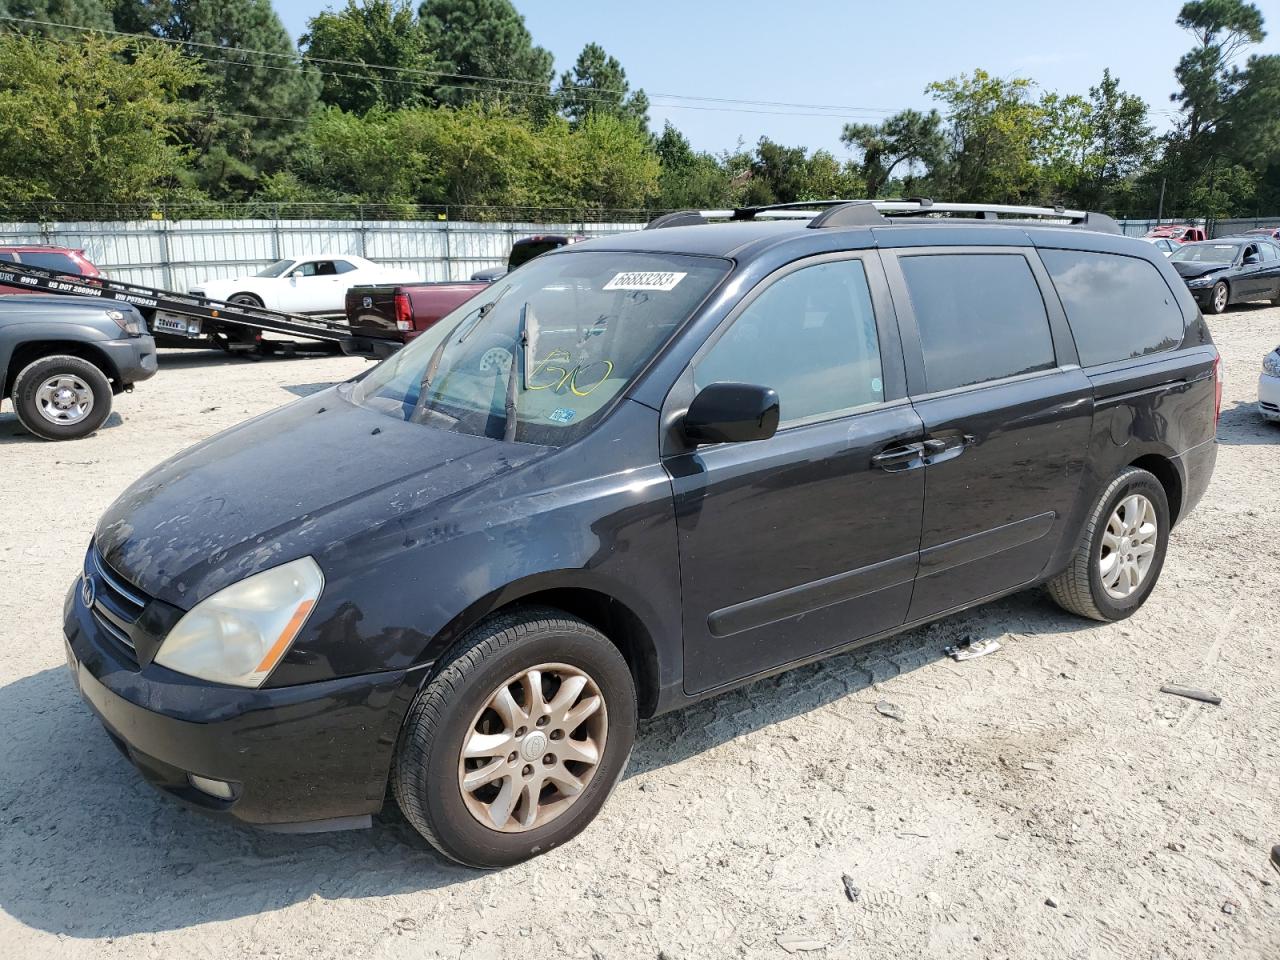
{"points": [[384, 317]]}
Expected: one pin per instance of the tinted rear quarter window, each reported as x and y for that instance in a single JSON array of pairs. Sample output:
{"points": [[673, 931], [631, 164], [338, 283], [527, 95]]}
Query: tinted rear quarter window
{"points": [[1119, 307], [980, 317]]}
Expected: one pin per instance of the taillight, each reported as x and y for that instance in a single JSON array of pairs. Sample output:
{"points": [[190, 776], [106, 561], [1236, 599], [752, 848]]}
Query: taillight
{"points": [[1217, 388], [404, 315]]}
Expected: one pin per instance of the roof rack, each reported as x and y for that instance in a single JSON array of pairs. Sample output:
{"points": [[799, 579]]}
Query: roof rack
{"points": [[848, 213]]}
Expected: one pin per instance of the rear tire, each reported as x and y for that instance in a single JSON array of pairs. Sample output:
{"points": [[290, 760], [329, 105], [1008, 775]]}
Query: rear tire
{"points": [[557, 761], [61, 397], [1104, 545]]}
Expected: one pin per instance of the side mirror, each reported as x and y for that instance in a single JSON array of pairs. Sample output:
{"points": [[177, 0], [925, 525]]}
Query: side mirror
{"points": [[732, 413]]}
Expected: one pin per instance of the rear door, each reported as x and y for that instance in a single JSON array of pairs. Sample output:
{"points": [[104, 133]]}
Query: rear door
{"points": [[993, 374], [809, 540]]}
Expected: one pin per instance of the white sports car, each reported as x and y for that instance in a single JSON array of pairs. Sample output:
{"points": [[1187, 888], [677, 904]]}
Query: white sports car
{"points": [[315, 284]]}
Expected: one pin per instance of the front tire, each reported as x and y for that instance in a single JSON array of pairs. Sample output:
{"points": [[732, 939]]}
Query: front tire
{"points": [[246, 300], [513, 747], [61, 397], [1220, 298], [1121, 551]]}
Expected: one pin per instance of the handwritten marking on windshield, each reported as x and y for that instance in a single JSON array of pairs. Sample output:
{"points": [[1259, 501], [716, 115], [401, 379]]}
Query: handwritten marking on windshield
{"points": [[577, 378]]}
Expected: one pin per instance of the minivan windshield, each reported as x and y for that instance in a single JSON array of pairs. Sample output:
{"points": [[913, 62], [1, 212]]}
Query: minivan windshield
{"points": [[1207, 253], [540, 353]]}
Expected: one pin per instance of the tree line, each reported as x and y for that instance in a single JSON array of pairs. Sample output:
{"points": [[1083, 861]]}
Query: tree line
{"points": [[202, 102]]}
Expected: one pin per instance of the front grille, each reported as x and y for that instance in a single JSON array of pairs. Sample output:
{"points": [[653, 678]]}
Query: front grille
{"points": [[117, 604]]}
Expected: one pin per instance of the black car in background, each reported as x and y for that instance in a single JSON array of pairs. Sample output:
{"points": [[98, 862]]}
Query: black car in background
{"points": [[524, 250], [1229, 270], [639, 471]]}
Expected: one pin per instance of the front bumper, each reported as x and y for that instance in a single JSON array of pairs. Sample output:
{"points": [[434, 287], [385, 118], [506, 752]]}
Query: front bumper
{"points": [[1269, 397], [133, 357], [313, 756]]}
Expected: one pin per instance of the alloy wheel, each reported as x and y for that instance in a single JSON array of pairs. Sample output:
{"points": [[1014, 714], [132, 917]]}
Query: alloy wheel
{"points": [[1128, 546], [532, 749]]}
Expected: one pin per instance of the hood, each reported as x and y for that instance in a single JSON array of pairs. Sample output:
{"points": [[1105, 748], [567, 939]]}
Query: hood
{"points": [[1188, 269], [41, 303], [287, 484]]}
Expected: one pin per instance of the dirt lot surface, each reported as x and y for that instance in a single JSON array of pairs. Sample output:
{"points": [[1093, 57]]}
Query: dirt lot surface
{"points": [[1043, 801]]}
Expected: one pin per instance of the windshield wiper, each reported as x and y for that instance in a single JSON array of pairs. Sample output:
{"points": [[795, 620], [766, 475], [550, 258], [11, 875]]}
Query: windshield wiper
{"points": [[433, 365], [525, 337]]}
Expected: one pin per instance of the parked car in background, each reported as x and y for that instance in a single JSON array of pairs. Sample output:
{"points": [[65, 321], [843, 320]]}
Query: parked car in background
{"points": [[63, 259], [644, 470], [385, 316], [1178, 232], [1271, 233], [1269, 387], [524, 250], [63, 359], [315, 284], [1163, 244], [1229, 270]]}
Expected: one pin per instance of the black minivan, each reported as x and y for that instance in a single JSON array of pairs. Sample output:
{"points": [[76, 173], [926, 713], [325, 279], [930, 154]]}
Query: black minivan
{"points": [[635, 472]]}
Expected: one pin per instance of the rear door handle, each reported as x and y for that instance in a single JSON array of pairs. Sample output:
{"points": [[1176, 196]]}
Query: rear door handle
{"points": [[904, 457]]}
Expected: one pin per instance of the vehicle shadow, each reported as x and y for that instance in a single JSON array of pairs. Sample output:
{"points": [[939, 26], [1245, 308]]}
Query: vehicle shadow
{"points": [[174, 358], [90, 850], [1242, 425], [12, 431]]}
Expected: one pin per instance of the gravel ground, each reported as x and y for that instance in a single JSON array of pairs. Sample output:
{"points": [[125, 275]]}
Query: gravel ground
{"points": [[1046, 800]]}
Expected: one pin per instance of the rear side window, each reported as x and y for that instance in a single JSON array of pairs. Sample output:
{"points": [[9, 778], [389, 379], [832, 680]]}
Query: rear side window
{"points": [[811, 336], [50, 261], [1118, 307], [980, 316]]}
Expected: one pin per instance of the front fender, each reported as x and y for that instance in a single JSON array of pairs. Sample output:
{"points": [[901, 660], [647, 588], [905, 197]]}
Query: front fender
{"points": [[400, 593], [13, 336]]}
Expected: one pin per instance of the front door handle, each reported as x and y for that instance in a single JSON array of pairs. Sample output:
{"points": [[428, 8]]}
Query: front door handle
{"points": [[904, 457], [939, 449]]}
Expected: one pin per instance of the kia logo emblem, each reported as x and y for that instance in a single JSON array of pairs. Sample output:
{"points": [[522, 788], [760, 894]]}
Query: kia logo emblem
{"points": [[87, 593]]}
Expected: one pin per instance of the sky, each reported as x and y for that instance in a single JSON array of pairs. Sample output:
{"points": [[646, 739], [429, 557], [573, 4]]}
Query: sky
{"points": [[868, 59]]}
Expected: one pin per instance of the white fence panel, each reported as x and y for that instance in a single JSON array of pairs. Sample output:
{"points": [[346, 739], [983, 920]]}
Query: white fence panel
{"points": [[177, 254]]}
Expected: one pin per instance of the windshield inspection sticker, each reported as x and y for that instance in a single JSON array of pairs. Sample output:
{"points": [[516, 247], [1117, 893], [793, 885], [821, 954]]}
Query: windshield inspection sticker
{"points": [[561, 415], [645, 280]]}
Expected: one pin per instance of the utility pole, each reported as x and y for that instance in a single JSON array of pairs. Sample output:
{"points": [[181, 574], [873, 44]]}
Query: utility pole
{"points": [[1160, 208]]}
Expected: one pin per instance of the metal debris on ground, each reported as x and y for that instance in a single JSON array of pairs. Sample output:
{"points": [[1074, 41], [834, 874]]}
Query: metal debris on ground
{"points": [[891, 710], [1191, 693], [850, 888], [969, 648]]}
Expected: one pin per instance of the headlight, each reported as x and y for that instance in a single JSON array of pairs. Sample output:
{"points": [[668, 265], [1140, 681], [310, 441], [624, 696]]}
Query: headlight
{"points": [[240, 633], [131, 322], [1200, 281], [1271, 364]]}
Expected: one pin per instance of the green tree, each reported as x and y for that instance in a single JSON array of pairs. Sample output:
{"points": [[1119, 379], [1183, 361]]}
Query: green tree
{"points": [[252, 104], [993, 125], [75, 13], [382, 32], [615, 166], [1121, 144], [907, 140], [598, 84], [486, 38], [688, 179], [82, 122]]}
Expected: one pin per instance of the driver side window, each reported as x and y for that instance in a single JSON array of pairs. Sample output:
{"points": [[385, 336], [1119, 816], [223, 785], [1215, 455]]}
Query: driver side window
{"points": [[811, 336]]}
